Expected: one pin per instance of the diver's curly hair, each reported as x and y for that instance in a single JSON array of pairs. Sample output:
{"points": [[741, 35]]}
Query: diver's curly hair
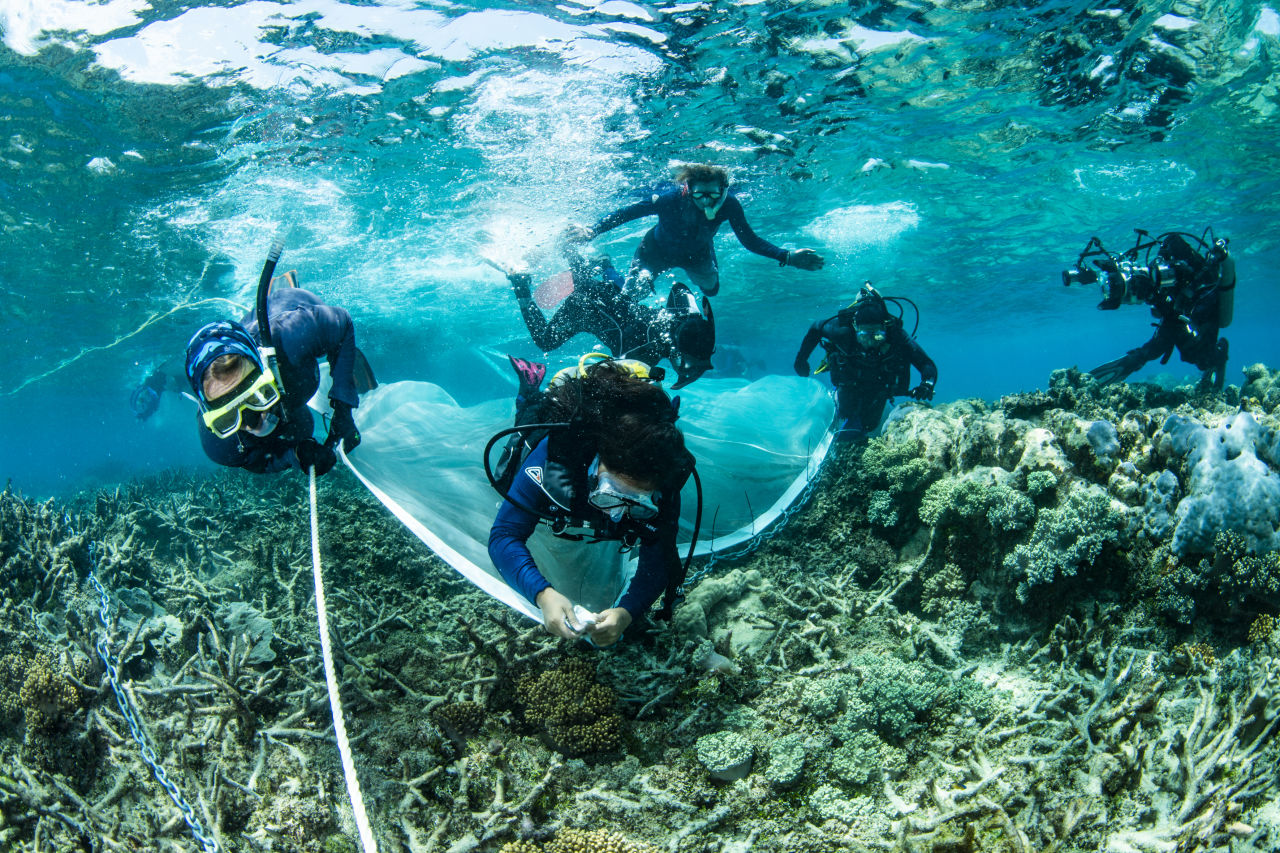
{"points": [[630, 421], [692, 173]]}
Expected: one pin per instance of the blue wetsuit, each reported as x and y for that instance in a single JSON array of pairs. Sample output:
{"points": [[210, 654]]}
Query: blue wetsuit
{"points": [[513, 527], [306, 330], [684, 236]]}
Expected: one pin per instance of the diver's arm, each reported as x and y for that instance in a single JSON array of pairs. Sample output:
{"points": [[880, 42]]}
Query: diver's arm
{"points": [[512, 529], [335, 337], [656, 554], [648, 207], [807, 346], [749, 239], [921, 361]]}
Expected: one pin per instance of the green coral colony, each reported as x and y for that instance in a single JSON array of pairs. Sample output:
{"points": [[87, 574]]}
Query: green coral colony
{"points": [[1045, 624]]}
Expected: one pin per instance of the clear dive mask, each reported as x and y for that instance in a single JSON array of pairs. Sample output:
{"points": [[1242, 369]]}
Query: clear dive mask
{"points": [[871, 336], [617, 500], [257, 392]]}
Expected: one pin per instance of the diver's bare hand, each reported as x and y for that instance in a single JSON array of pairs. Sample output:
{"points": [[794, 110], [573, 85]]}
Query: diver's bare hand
{"points": [[609, 626], [557, 615], [576, 234], [805, 259]]}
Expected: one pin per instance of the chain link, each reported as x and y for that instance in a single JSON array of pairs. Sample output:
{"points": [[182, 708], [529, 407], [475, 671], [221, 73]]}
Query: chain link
{"points": [[206, 841], [801, 501]]}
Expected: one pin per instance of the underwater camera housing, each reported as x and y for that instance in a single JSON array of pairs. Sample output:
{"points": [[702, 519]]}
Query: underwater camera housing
{"points": [[1126, 283], [1156, 271]]}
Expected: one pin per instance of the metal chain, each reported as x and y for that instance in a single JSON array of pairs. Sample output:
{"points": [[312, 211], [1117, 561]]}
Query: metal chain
{"points": [[801, 501], [206, 842]]}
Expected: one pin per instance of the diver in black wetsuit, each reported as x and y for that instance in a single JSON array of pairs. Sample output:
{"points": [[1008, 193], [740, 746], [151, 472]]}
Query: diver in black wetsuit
{"points": [[689, 215], [870, 357], [600, 305], [1191, 294]]}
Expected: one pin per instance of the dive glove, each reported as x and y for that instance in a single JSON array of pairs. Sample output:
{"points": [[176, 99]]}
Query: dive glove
{"points": [[923, 391], [313, 454], [342, 426]]}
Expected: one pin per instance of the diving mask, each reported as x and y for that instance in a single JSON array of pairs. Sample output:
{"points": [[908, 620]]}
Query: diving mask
{"points": [[871, 336], [708, 198], [257, 392], [617, 500]]}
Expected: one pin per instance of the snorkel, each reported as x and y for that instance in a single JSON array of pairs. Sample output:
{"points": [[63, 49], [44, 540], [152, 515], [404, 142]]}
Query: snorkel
{"points": [[267, 347], [709, 212]]}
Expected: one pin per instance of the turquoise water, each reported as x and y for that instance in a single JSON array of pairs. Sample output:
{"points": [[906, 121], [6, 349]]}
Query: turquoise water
{"points": [[959, 154]]}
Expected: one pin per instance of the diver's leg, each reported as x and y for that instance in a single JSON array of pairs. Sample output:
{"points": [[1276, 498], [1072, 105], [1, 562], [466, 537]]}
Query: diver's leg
{"points": [[646, 265], [849, 424], [704, 274]]}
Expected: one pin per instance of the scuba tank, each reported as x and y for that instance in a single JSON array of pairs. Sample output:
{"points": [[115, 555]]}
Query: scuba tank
{"points": [[1226, 283]]}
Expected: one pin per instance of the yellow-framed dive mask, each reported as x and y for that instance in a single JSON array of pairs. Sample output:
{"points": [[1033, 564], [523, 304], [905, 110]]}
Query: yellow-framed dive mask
{"points": [[257, 392]]}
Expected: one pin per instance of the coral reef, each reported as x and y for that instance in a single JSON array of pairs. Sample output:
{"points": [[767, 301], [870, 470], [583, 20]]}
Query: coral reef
{"points": [[1044, 624], [578, 715]]}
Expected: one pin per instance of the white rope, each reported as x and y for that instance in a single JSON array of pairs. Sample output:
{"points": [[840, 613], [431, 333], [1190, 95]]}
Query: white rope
{"points": [[335, 701]]}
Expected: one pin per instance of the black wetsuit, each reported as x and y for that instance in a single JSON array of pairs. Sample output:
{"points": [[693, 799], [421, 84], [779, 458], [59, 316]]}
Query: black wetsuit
{"points": [[1189, 324], [307, 330], [600, 306], [684, 236], [866, 379]]}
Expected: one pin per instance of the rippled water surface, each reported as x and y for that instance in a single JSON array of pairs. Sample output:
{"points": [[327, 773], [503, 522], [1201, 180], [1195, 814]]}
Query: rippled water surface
{"points": [[959, 153]]}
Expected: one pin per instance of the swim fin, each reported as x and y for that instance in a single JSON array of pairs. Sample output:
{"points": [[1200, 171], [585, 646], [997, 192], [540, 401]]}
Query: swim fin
{"points": [[285, 279], [1114, 371], [364, 377], [530, 373]]}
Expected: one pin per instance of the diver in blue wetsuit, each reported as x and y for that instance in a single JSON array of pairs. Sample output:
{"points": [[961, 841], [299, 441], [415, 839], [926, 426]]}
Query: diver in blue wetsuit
{"points": [[253, 394], [870, 357], [689, 215], [682, 331], [168, 375], [610, 469]]}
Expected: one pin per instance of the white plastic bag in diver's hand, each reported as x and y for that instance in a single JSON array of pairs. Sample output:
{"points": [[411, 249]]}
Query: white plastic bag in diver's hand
{"points": [[585, 618]]}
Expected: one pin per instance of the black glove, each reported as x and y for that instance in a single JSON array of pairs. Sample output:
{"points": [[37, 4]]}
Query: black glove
{"points": [[923, 391], [342, 426], [313, 454], [801, 366]]}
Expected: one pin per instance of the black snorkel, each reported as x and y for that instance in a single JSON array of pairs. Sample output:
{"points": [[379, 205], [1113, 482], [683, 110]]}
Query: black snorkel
{"points": [[267, 344]]}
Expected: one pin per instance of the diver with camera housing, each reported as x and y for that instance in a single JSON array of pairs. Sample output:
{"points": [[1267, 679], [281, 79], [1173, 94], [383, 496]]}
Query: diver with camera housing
{"points": [[1189, 283]]}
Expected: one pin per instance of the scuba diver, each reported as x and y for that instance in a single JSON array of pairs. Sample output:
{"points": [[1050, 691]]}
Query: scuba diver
{"points": [[252, 380], [166, 376], [598, 457], [1191, 291], [681, 331], [870, 356], [690, 212]]}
